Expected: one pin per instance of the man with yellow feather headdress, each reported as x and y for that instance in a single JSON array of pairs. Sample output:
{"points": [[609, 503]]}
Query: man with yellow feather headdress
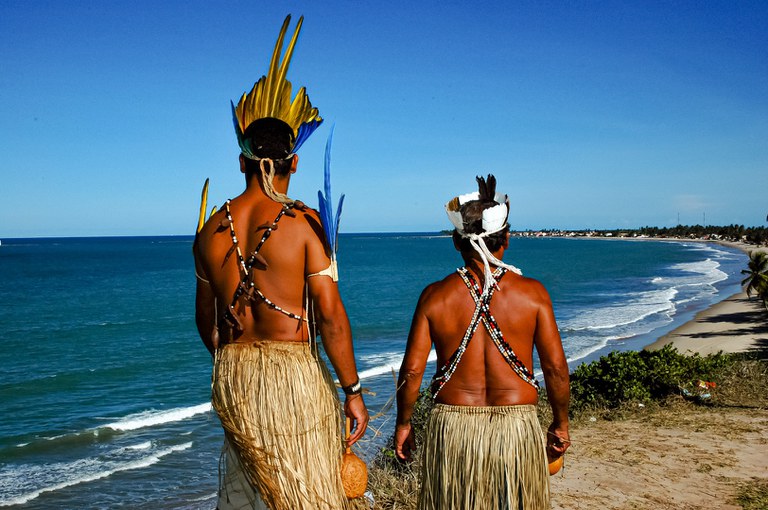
{"points": [[266, 283]]}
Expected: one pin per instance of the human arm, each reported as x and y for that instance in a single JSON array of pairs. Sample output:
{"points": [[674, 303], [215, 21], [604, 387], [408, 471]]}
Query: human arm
{"points": [[555, 369], [205, 306], [333, 324], [336, 335], [410, 377]]}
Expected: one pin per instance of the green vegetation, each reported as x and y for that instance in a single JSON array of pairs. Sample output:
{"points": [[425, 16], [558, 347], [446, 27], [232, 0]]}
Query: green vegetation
{"points": [[757, 276], [751, 235], [395, 484], [622, 377]]}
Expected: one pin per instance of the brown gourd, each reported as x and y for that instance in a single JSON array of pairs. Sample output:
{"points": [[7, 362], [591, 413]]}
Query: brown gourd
{"points": [[354, 472]]}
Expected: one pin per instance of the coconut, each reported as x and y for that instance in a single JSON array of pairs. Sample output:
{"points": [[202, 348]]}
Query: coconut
{"points": [[354, 472]]}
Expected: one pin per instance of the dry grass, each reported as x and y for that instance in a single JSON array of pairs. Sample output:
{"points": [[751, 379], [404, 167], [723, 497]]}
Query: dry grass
{"points": [[394, 488], [744, 384]]}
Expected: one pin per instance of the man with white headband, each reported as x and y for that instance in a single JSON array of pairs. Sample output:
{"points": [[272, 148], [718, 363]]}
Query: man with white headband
{"points": [[484, 446]]}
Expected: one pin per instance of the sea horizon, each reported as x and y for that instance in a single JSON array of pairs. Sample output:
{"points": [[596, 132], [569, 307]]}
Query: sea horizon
{"points": [[107, 385]]}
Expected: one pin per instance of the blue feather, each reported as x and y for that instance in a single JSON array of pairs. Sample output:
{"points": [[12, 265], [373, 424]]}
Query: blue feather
{"points": [[244, 144], [338, 215], [323, 209], [330, 222], [304, 131]]}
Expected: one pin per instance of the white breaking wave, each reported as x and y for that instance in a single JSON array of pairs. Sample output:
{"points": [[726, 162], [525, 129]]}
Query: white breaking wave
{"points": [[152, 418], [640, 313], [132, 422], [633, 308], [704, 272], [625, 312], [29, 481], [392, 361]]}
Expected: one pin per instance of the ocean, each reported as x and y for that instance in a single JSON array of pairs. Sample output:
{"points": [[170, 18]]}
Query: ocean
{"points": [[106, 389]]}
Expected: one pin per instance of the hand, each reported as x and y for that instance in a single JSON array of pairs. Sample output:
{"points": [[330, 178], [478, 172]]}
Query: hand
{"points": [[355, 409], [405, 443], [558, 441]]}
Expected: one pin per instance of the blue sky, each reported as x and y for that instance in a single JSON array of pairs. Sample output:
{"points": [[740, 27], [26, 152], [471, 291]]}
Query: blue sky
{"points": [[591, 114]]}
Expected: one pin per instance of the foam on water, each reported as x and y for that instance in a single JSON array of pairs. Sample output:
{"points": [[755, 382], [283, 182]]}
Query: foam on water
{"points": [[146, 445], [633, 308], [26, 482], [130, 422], [153, 418], [638, 313], [705, 272]]}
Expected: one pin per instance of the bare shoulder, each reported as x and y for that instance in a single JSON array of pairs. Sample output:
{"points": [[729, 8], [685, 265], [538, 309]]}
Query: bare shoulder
{"points": [[436, 294], [310, 223], [212, 225], [533, 289]]}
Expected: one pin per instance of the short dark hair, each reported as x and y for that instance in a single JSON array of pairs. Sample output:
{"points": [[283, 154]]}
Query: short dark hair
{"points": [[269, 138]]}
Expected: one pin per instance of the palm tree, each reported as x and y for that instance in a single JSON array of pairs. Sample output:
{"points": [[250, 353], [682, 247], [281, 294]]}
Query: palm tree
{"points": [[757, 276]]}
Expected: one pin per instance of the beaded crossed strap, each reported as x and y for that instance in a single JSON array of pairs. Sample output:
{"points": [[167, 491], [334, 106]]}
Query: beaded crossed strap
{"points": [[482, 313], [247, 287]]}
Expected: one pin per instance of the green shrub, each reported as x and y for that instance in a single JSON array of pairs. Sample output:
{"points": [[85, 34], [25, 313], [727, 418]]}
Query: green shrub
{"points": [[629, 376]]}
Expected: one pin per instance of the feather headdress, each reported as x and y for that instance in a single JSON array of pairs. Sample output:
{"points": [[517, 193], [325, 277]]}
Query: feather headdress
{"points": [[271, 97], [494, 220], [329, 220]]}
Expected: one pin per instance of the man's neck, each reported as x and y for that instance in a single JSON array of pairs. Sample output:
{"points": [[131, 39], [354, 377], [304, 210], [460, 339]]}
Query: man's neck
{"points": [[255, 187], [475, 262]]}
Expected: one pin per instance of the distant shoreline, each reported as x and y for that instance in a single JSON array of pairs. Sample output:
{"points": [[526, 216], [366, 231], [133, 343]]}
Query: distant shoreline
{"points": [[728, 325], [734, 324], [739, 245]]}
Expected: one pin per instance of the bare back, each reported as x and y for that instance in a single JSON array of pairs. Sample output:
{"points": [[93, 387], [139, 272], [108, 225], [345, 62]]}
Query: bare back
{"points": [[292, 251], [483, 377]]}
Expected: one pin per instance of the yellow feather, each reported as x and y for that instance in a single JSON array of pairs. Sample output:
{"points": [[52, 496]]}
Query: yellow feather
{"points": [[203, 207], [272, 82], [280, 78], [271, 95]]}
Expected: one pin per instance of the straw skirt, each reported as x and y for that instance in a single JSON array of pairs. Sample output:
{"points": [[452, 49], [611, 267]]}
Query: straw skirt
{"points": [[488, 458], [280, 413]]}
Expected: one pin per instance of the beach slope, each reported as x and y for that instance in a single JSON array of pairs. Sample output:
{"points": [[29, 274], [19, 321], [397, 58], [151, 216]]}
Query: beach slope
{"points": [[736, 324], [680, 458]]}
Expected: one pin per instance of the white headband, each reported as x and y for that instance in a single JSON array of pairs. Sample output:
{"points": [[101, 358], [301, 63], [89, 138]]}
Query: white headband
{"points": [[494, 220]]}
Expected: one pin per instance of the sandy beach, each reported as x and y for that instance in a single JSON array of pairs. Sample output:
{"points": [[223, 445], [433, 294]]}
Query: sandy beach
{"points": [[736, 324], [676, 460]]}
